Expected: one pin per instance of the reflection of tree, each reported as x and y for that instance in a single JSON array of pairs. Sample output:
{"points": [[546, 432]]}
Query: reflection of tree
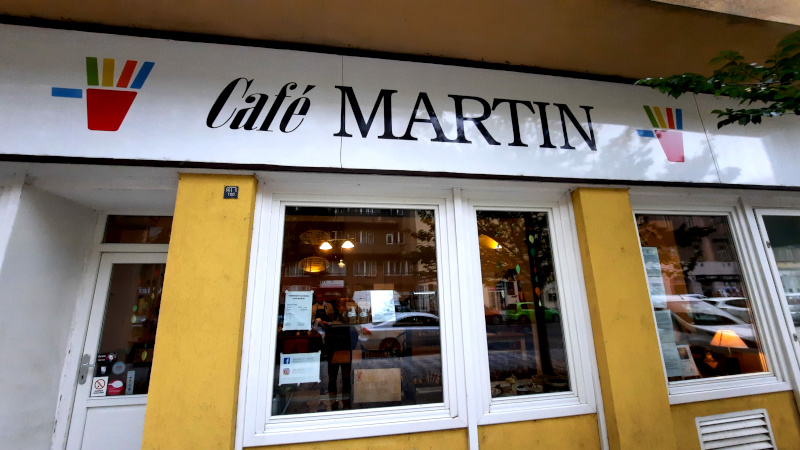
{"points": [[661, 233], [522, 237], [424, 256]]}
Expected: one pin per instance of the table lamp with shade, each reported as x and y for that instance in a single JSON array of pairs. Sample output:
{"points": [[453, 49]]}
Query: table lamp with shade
{"points": [[728, 339]]}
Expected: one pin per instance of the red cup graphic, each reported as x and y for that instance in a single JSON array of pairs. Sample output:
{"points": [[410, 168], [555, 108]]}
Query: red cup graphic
{"points": [[672, 143], [115, 387], [107, 108]]}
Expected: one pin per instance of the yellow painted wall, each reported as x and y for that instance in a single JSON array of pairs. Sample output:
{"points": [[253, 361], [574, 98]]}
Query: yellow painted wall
{"points": [[780, 406], [577, 432], [434, 440], [632, 380], [194, 386]]}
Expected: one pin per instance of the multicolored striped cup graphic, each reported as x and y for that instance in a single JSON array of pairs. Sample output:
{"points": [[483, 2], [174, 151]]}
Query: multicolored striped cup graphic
{"points": [[107, 108], [666, 130]]}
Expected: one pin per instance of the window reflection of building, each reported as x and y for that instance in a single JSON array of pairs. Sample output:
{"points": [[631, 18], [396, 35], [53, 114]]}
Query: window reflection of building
{"points": [[523, 329], [396, 344]]}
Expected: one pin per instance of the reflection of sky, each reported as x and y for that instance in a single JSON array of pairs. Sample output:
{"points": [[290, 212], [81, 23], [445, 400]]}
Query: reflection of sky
{"points": [[764, 154], [742, 160]]}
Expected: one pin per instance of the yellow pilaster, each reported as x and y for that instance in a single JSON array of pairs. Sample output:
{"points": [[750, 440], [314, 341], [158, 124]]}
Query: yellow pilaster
{"points": [[194, 385], [634, 390]]}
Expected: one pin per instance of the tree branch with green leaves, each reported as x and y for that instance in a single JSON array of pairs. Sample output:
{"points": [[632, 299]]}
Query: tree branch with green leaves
{"points": [[764, 90]]}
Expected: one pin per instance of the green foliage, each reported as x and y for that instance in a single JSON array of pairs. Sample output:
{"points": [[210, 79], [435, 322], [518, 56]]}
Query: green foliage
{"points": [[773, 86]]}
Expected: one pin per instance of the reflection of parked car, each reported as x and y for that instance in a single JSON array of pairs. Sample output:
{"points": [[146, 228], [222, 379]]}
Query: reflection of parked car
{"points": [[524, 312], [699, 321], [492, 317], [794, 307], [417, 331], [736, 306]]}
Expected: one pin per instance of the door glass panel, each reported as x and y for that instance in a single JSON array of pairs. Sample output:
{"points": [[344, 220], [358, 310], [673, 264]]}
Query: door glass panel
{"points": [[521, 305], [125, 352], [784, 237]]}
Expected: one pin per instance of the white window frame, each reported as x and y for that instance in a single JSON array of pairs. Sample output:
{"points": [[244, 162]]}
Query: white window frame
{"points": [[778, 203], [754, 274], [257, 428], [583, 397], [389, 238], [462, 325]]}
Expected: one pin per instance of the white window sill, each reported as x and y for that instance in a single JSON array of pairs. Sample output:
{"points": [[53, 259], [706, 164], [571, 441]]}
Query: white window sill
{"points": [[352, 426], [716, 389], [535, 409]]}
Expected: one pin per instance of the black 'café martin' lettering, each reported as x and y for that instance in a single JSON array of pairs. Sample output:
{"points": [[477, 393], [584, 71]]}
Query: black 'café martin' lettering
{"points": [[237, 109]]}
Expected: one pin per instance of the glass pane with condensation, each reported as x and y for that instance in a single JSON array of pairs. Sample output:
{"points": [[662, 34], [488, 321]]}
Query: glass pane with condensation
{"points": [[784, 237], [127, 342], [358, 316], [701, 304], [137, 229], [521, 307]]}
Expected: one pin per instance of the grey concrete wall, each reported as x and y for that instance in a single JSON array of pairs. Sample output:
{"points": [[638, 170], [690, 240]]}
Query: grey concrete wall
{"points": [[39, 281]]}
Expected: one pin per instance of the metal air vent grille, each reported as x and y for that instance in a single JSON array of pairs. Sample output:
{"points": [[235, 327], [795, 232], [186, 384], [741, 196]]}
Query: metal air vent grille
{"points": [[744, 430]]}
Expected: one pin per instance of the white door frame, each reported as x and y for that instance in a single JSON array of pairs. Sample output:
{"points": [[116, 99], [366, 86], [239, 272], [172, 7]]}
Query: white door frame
{"points": [[82, 400], [80, 321]]}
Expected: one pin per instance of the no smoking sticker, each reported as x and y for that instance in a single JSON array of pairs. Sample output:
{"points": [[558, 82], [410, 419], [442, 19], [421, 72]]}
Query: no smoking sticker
{"points": [[99, 387]]}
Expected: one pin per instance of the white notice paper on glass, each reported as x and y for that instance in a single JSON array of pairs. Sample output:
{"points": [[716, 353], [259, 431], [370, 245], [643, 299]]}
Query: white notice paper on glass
{"points": [[299, 368], [382, 304], [672, 360], [655, 284], [297, 310], [688, 367], [666, 333]]}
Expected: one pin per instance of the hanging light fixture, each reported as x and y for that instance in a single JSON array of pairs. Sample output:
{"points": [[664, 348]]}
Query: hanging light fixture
{"points": [[314, 264], [487, 242], [347, 244], [341, 263]]}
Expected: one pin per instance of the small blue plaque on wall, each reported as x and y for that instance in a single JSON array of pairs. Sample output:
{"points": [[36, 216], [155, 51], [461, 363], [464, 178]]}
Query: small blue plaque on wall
{"points": [[231, 192]]}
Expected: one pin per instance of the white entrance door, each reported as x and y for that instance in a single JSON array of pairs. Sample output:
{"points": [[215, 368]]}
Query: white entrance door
{"points": [[780, 233], [113, 380]]}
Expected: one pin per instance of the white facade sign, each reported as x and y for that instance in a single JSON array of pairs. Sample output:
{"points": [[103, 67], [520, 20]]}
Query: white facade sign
{"points": [[110, 97], [297, 310], [299, 368]]}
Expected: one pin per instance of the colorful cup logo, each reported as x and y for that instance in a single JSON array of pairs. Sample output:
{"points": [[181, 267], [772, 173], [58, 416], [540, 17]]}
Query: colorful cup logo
{"points": [[666, 130], [106, 108], [115, 387]]}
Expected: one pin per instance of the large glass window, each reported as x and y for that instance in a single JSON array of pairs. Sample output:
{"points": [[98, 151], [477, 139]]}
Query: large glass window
{"points": [[358, 317], [521, 306], [701, 303]]}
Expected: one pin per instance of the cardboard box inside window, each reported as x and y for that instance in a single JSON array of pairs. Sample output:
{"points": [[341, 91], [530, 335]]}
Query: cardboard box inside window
{"points": [[376, 385]]}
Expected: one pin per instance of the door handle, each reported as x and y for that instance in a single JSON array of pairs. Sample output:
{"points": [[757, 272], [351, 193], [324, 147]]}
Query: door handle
{"points": [[83, 371]]}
